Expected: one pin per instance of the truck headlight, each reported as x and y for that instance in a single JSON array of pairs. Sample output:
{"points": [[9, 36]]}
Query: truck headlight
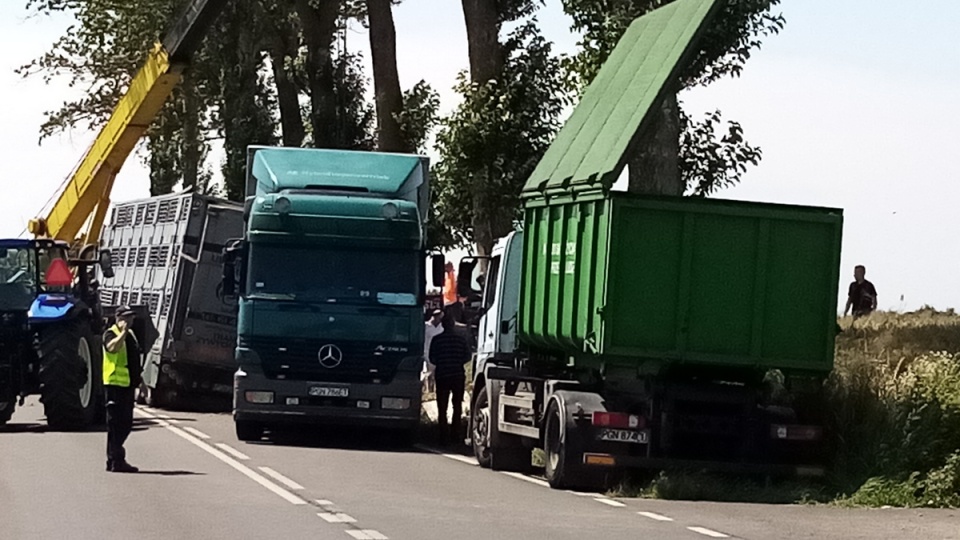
{"points": [[395, 403], [282, 205], [254, 396], [390, 211]]}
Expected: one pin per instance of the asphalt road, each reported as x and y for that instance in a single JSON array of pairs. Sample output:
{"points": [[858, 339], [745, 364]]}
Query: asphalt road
{"points": [[198, 481]]}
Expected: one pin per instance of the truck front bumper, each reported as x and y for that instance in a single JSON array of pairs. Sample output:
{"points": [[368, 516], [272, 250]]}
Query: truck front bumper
{"points": [[292, 402]]}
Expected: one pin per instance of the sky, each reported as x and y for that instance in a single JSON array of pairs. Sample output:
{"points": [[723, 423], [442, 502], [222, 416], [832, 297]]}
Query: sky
{"points": [[853, 105]]}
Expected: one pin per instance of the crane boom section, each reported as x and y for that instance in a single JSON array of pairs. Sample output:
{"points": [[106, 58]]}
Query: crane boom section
{"points": [[86, 196], [91, 182]]}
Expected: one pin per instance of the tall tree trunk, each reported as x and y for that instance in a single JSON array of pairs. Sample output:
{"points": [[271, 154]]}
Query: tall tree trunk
{"points": [[655, 166], [284, 48], [319, 28], [482, 20], [386, 80], [483, 39], [190, 152]]}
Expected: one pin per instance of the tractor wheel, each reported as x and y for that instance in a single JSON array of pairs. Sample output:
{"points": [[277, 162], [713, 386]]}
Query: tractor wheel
{"points": [[70, 380], [6, 411]]}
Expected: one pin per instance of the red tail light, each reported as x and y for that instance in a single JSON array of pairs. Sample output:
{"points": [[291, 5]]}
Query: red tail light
{"points": [[619, 420]]}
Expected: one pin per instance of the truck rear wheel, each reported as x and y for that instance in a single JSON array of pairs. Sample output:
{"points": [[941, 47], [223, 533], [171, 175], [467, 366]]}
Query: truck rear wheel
{"points": [[70, 380], [561, 468]]}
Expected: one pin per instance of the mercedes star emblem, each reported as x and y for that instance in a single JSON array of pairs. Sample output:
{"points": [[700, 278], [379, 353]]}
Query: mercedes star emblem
{"points": [[330, 356]]}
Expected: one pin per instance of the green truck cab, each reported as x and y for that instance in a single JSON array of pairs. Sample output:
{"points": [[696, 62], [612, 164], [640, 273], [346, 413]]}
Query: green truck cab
{"points": [[330, 279]]}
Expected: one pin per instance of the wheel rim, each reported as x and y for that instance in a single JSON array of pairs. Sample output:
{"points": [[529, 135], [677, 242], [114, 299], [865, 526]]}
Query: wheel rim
{"points": [[481, 428], [553, 441], [86, 391]]}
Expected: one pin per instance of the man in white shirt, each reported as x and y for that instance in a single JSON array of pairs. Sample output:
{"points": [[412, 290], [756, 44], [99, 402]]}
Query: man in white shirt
{"points": [[432, 328]]}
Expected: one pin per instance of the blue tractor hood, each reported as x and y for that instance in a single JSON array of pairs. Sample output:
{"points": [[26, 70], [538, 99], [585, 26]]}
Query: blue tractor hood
{"points": [[395, 176]]}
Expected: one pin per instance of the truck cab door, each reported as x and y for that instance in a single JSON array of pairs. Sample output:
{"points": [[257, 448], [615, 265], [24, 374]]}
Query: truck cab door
{"points": [[501, 299], [487, 328]]}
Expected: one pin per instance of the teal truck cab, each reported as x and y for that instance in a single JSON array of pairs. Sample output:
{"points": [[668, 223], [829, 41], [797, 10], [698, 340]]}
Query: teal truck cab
{"points": [[330, 283]]}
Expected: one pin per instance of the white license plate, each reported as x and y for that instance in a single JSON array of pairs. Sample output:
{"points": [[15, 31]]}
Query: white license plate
{"points": [[329, 391], [623, 435]]}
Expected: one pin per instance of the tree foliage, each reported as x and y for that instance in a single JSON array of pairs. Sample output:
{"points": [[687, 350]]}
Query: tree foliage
{"points": [[243, 85], [492, 142]]}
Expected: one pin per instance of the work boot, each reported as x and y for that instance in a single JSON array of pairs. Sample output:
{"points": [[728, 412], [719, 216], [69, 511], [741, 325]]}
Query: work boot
{"points": [[123, 467]]}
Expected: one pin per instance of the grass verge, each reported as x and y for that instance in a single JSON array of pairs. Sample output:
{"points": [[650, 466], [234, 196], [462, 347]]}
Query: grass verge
{"points": [[893, 403]]}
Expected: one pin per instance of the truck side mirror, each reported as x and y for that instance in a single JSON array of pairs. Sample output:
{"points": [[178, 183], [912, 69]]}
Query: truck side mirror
{"points": [[248, 207], [228, 279], [464, 276], [106, 263], [439, 270], [504, 327], [228, 282]]}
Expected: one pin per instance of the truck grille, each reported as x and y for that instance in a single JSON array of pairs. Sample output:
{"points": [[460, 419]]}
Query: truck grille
{"points": [[300, 359]]}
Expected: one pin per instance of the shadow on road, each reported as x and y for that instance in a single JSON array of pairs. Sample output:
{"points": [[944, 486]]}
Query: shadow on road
{"points": [[173, 473]]}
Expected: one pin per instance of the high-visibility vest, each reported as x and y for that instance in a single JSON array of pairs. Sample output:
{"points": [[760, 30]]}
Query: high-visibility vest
{"points": [[115, 370]]}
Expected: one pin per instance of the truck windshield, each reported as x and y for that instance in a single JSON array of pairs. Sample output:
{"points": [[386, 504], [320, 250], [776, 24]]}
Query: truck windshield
{"points": [[18, 278], [382, 277]]}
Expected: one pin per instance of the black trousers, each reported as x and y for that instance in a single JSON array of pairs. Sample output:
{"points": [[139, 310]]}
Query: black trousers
{"points": [[448, 388], [119, 421]]}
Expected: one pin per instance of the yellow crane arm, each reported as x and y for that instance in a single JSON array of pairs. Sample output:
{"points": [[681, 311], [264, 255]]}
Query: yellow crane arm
{"points": [[86, 197], [88, 191]]}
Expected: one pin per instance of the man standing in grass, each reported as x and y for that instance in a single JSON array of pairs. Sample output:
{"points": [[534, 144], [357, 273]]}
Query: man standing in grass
{"points": [[862, 295]]}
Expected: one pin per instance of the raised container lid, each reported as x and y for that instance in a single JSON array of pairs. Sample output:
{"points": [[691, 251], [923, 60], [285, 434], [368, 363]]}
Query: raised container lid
{"points": [[589, 151]]}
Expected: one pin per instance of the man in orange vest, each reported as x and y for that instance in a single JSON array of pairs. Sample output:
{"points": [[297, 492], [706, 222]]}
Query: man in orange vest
{"points": [[450, 286]]}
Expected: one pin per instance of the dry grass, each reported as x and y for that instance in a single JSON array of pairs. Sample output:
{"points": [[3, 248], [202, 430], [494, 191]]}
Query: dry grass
{"points": [[894, 422], [895, 399]]}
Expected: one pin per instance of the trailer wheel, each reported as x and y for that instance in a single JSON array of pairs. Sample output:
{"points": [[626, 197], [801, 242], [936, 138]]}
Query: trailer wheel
{"points": [[70, 381], [480, 426], [248, 431]]}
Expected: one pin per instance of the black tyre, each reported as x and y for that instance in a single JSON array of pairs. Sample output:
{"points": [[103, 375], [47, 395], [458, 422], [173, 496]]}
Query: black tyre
{"points": [[510, 454], [70, 375], [561, 469], [6, 413], [248, 431], [480, 426]]}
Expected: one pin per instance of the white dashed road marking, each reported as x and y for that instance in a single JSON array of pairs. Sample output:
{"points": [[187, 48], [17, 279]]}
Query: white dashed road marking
{"points": [[708, 532], [240, 467], [197, 433], [336, 517], [455, 457], [281, 478], [525, 478], [366, 534], [609, 502], [232, 451], [656, 517]]}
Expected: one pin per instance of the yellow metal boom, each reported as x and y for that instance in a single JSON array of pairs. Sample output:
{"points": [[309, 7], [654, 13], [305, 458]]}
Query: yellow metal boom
{"points": [[78, 214]]}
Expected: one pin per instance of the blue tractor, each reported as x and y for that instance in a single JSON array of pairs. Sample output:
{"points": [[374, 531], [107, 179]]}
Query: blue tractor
{"points": [[51, 321]]}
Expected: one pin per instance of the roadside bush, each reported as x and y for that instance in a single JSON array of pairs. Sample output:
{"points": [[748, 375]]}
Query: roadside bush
{"points": [[896, 411]]}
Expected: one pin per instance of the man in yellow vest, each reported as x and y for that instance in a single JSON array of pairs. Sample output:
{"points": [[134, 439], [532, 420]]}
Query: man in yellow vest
{"points": [[121, 375]]}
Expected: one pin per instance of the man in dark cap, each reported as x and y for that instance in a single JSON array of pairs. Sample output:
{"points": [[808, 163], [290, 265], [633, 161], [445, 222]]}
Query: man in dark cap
{"points": [[121, 376], [449, 352]]}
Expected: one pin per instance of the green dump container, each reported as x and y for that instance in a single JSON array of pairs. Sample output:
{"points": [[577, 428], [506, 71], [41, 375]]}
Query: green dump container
{"points": [[695, 280]]}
